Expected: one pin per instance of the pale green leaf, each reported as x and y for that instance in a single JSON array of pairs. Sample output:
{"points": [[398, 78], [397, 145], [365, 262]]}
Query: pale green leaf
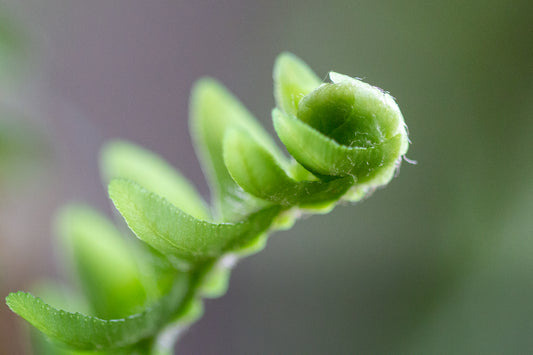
{"points": [[103, 261], [371, 106], [157, 272], [213, 111], [120, 159], [216, 282], [42, 345], [346, 128], [58, 296], [173, 232], [324, 156], [258, 173], [92, 333], [293, 79]]}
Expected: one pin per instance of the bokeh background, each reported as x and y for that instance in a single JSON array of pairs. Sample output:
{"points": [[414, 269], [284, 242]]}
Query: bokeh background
{"points": [[441, 261]]}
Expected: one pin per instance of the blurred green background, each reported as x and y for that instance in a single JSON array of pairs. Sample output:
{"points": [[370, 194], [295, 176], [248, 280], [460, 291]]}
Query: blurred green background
{"points": [[441, 261]]}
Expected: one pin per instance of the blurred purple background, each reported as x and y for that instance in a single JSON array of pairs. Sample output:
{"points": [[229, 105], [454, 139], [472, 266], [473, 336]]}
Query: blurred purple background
{"points": [[440, 261]]}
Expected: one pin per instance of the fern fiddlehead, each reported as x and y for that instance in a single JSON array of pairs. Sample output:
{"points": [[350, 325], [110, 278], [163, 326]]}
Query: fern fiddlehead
{"points": [[346, 138]]}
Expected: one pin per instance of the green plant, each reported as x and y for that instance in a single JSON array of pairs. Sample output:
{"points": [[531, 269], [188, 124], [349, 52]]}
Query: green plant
{"points": [[346, 138]]}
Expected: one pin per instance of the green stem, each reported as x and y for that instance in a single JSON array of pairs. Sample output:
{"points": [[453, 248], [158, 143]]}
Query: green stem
{"points": [[163, 344]]}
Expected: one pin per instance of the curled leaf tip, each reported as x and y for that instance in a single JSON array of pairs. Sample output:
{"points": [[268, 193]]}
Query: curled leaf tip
{"points": [[345, 128]]}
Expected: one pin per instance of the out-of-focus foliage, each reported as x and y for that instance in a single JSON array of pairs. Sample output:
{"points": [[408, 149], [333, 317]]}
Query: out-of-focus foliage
{"points": [[13, 48], [23, 149]]}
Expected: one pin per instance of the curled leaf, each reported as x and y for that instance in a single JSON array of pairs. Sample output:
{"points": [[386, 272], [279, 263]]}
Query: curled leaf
{"points": [[175, 233], [258, 173], [213, 111], [293, 79], [345, 128]]}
